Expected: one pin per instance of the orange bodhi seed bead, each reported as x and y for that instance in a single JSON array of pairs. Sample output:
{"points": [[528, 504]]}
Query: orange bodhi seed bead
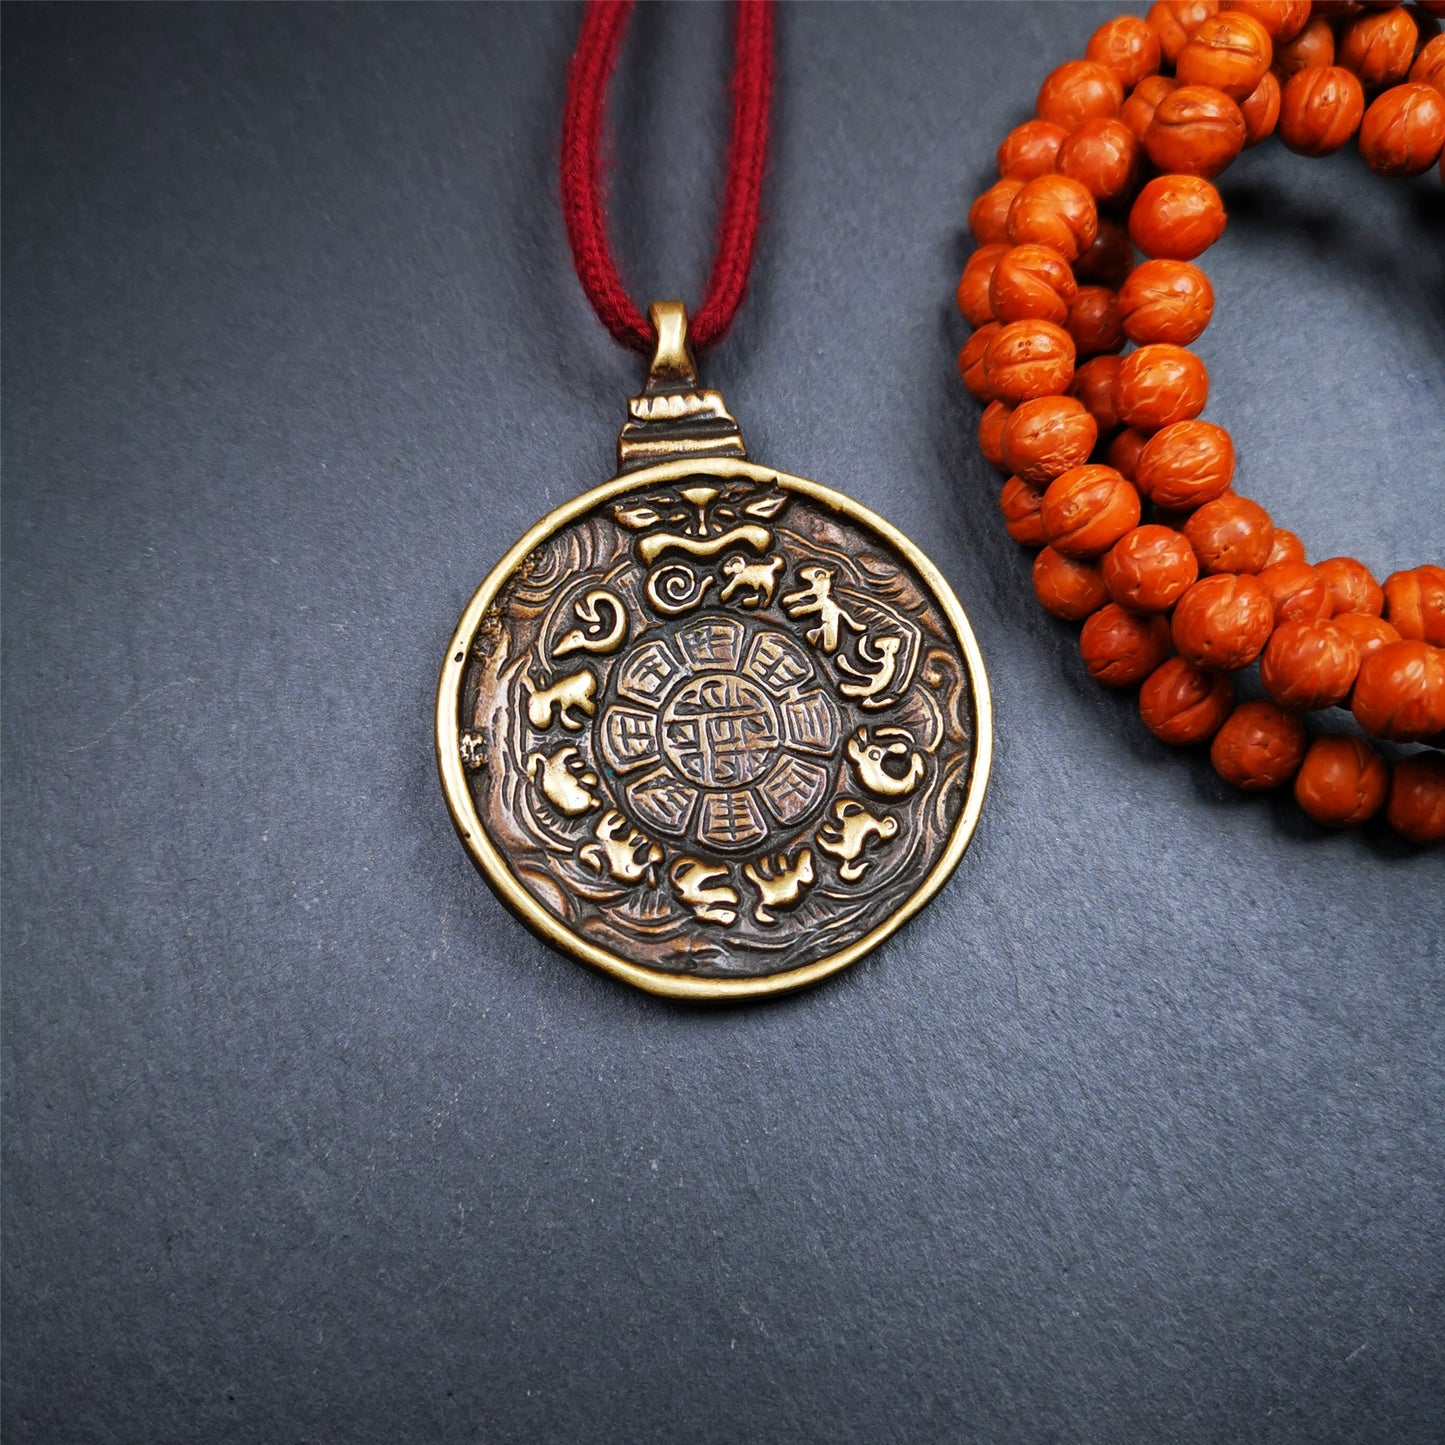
{"points": [[1048, 436], [1031, 281], [1103, 156], [1087, 510], [1165, 301], [1054, 211], [1079, 90], [1283, 19], [1298, 591], [970, 360], [1174, 21], [1260, 746], [1028, 150], [1400, 691], [1121, 649], [1230, 51], [1093, 321], [1182, 705], [1287, 547], [1178, 217], [1196, 130], [990, 433], [1352, 585], [1019, 502], [1066, 587], [1307, 665], [1158, 385], [1223, 622], [1150, 569], [1416, 805], [1314, 46], [1124, 453], [1320, 110], [1415, 603], [1143, 101], [972, 294], [1380, 47], [1429, 66], [1403, 130], [1109, 260], [1368, 633], [1342, 781], [988, 216], [1231, 534], [1128, 47], [1026, 359], [1260, 109], [1094, 387], [1185, 465]]}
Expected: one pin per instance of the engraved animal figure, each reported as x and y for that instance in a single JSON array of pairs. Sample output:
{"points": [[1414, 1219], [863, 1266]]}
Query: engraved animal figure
{"points": [[816, 599], [692, 878], [760, 577], [564, 781], [853, 828], [868, 756], [885, 657], [599, 635], [573, 693], [779, 883], [621, 850]]}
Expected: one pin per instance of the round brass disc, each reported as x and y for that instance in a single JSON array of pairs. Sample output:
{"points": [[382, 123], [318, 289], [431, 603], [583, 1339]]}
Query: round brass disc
{"points": [[714, 729]]}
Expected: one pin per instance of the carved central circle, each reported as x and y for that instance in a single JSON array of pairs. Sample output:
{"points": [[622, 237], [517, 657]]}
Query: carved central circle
{"points": [[720, 730]]}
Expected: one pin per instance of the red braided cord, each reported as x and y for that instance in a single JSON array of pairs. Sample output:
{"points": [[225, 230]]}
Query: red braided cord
{"points": [[603, 25]]}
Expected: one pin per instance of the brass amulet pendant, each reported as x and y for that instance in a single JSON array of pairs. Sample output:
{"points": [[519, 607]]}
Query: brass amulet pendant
{"points": [[711, 728]]}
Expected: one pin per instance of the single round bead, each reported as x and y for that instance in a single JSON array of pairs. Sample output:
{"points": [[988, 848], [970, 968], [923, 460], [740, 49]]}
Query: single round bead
{"points": [[1297, 590], [1031, 281], [1087, 510], [1150, 569], [1400, 691], [972, 294], [1260, 109], [1128, 47], [1223, 622], [1429, 66], [1403, 130], [1185, 465], [1019, 502], [1054, 211], [1028, 150], [1048, 436], [1183, 705], [1379, 47], [1079, 90], [1415, 808], [970, 360], [1230, 51], [1313, 46], [1124, 452], [1283, 19], [1287, 547], [1109, 260], [1066, 587], [1230, 534], [1342, 781], [1352, 585], [990, 433], [1093, 321], [1320, 110], [988, 216], [1158, 385], [1178, 217], [1138, 110], [1260, 746], [1307, 665], [1026, 359], [1415, 603], [1103, 156], [1094, 387], [1121, 649], [1196, 130], [1174, 21], [1368, 633], [1165, 301]]}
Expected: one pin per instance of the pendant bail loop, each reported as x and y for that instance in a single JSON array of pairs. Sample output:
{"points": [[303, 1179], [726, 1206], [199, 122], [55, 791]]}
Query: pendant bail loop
{"points": [[673, 363]]}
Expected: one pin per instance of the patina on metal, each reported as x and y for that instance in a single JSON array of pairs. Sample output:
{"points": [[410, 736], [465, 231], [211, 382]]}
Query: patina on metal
{"points": [[712, 728]]}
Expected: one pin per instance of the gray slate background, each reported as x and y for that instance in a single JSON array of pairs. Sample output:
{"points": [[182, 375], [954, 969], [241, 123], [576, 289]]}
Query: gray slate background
{"points": [[1136, 1134]]}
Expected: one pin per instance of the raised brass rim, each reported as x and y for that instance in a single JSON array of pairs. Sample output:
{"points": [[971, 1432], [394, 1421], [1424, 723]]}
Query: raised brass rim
{"points": [[492, 862]]}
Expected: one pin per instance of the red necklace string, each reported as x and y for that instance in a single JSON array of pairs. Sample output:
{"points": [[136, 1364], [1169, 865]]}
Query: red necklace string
{"points": [[604, 22]]}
